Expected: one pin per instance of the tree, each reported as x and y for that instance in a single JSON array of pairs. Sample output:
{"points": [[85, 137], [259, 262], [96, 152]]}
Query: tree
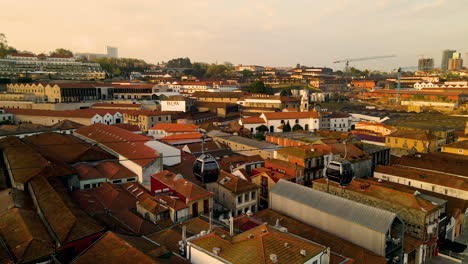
{"points": [[4, 48], [179, 63], [162, 97], [246, 73], [260, 87], [122, 66], [297, 127], [262, 129], [61, 52], [287, 127], [199, 69], [286, 92]]}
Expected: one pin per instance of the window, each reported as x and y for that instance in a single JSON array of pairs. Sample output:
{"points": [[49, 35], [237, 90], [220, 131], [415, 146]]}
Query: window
{"points": [[253, 195], [159, 118], [409, 183], [239, 199], [117, 181], [297, 121], [282, 121], [239, 212], [246, 197], [87, 186], [445, 191], [131, 180]]}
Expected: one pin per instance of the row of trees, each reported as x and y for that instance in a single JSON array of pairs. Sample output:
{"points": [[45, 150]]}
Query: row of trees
{"points": [[202, 70], [5, 49], [122, 66]]}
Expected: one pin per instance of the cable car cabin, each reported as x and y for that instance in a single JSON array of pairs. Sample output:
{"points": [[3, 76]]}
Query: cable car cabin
{"points": [[206, 168], [340, 171]]}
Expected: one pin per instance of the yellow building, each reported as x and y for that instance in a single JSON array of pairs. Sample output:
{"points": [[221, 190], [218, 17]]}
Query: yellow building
{"points": [[459, 147], [465, 136], [146, 119], [266, 179], [407, 139]]}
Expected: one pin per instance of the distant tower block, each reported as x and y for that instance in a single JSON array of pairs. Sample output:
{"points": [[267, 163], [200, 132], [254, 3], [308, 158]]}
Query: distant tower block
{"points": [[112, 52]]}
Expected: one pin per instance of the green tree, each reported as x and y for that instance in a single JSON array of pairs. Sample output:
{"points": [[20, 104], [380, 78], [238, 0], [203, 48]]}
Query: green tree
{"points": [[179, 63], [297, 127], [260, 87], [62, 52], [246, 73], [262, 129], [122, 66], [162, 97], [4, 48], [287, 127], [286, 92], [199, 69]]}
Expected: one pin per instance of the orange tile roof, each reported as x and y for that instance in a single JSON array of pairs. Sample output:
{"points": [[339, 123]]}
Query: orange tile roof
{"points": [[87, 172], [25, 235], [185, 188], [235, 184], [79, 113], [413, 134], [274, 175], [128, 144], [459, 145], [336, 244], [171, 201], [151, 205], [172, 127], [425, 176], [181, 137], [114, 171], [263, 241], [110, 248], [352, 152], [112, 105], [291, 115], [129, 127], [364, 187], [252, 120], [436, 161]]}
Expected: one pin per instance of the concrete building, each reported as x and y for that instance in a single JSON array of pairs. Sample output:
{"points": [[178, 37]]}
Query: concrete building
{"points": [[425, 64], [168, 129], [446, 56], [312, 160], [80, 116], [420, 215], [259, 103], [56, 67], [146, 119], [455, 63], [178, 104], [112, 52], [377, 230], [411, 140], [234, 194]]}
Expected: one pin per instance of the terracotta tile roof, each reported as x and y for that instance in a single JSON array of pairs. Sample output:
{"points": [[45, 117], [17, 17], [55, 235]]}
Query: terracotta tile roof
{"points": [[411, 243], [375, 124], [235, 161], [170, 237], [235, 184], [23, 55], [274, 175], [352, 152], [130, 145], [252, 120], [129, 127], [181, 137], [171, 127], [25, 235], [79, 113], [291, 115], [290, 99], [114, 171], [404, 199], [26, 163], [266, 240], [437, 161], [87, 172], [151, 205], [459, 145], [413, 134], [67, 222], [425, 176], [66, 148], [111, 248], [218, 94], [145, 113], [337, 245], [112, 105], [172, 202], [66, 124], [136, 223], [300, 152], [185, 188], [281, 163]]}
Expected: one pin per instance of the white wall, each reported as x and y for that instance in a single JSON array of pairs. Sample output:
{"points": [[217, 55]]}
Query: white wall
{"points": [[198, 256], [340, 124], [171, 155], [173, 106]]}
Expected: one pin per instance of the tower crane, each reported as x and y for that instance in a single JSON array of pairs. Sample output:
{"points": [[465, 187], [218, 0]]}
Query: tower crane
{"points": [[347, 61]]}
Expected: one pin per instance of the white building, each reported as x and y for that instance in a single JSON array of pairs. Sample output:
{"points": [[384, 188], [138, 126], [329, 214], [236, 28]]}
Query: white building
{"points": [[309, 121], [177, 104], [168, 129], [208, 86], [340, 122]]}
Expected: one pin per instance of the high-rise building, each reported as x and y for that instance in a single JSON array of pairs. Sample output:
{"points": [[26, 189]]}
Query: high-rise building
{"points": [[456, 62], [446, 56], [425, 64], [112, 52]]}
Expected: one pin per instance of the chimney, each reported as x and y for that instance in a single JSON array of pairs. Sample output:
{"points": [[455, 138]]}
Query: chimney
{"points": [[273, 258], [216, 251], [303, 252], [231, 226], [328, 251], [184, 233]]}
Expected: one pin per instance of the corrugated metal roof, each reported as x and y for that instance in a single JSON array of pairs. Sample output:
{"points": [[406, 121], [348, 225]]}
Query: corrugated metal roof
{"points": [[364, 215]]}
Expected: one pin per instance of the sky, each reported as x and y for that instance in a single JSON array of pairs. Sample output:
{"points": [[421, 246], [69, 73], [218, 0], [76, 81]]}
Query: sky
{"points": [[260, 32]]}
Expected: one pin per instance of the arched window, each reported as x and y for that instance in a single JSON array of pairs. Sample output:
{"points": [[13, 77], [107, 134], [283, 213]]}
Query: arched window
{"points": [[297, 121]]}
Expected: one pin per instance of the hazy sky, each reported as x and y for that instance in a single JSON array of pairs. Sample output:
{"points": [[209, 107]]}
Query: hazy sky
{"points": [[275, 33]]}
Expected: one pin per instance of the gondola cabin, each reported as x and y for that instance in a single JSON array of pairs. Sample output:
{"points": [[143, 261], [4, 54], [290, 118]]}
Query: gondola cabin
{"points": [[340, 171], [206, 168]]}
